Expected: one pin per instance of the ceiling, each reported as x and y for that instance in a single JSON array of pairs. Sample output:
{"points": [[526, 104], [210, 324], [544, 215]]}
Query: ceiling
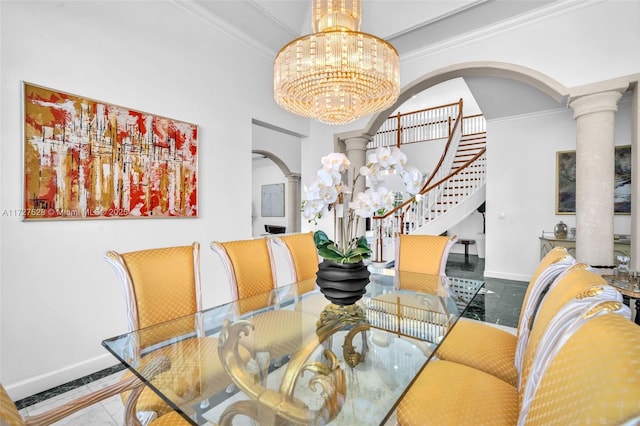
{"points": [[409, 25]]}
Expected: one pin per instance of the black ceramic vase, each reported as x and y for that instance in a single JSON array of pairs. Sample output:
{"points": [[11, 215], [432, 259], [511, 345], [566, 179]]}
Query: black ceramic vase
{"points": [[342, 283]]}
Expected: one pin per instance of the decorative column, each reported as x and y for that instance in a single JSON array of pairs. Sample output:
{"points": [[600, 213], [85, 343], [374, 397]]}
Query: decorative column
{"points": [[635, 179], [595, 117], [357, 155], [293, 202]]}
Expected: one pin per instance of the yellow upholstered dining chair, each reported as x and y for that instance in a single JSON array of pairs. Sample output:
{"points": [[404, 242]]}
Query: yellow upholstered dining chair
{"points": [[159, 285], [593, 379], [301, 253], [564, 391], [250, 270], [420, 265], [425, 254], [491, 349], [302, 258], [251, 275]]}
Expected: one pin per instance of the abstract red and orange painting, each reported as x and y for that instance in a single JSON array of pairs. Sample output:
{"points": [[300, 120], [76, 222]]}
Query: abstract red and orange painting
{"points": [[90, 159]]}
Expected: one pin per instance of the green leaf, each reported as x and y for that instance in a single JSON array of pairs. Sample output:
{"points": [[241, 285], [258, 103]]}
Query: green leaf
{"points": [[321, 239], [327, 254], [328, 250], [362, 242]]}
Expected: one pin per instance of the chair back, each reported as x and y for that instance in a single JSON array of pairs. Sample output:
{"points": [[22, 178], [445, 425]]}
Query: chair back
{"points": [[159, 284], [426, 254], [575, 280], [552, 265], [9, 414], [556, 256], [250, 270], [302, 256], [577, 389], [595, 301]]}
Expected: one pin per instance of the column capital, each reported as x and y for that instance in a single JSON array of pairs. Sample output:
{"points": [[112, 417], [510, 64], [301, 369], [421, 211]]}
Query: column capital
{"points": [[293, 176], [357, 143], [595, 102]]}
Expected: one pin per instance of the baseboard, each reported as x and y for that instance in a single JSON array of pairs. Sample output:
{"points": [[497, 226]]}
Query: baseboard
{"points": [[43, 382], [506, 276]]}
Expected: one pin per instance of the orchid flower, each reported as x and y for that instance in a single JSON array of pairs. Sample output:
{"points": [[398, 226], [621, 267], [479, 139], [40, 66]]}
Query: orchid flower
{"points": [[327, 193]]}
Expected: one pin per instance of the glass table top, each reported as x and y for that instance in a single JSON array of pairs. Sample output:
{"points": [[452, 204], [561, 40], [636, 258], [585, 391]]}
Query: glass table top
{"points": [[292, 357]]}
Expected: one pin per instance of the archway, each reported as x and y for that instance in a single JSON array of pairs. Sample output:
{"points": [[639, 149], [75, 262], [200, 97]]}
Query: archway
{"points": [[473, 69], [595, 230], [292, 193]]}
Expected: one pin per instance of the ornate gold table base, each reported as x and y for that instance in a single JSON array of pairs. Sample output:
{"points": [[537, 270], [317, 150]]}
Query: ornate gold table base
{"points": [[270, 406], [346, 315]]}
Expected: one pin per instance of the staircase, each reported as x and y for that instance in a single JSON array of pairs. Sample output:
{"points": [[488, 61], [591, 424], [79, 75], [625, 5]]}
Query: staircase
{"points": [[455, 188]]}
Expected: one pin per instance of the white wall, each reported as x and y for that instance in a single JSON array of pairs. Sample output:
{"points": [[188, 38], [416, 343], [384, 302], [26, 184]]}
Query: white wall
{"points": [[59, 298], [284, 146], [520, 188], [521, 182]]}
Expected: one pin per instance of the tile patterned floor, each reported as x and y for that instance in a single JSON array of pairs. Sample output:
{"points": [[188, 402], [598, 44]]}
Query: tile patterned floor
{"points": [[500, 300], [499, 303]]}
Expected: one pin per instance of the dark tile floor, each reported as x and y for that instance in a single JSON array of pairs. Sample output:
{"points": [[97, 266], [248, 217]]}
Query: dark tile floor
{"points": [[498, 302]]}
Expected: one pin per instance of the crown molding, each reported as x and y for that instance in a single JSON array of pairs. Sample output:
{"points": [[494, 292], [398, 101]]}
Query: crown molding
{"points": [[206, 16], [419, 25], [535, 114], [544, 13]]}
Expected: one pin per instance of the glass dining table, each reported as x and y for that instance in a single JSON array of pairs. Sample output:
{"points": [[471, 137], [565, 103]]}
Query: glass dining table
{"points": [[292, 357]]}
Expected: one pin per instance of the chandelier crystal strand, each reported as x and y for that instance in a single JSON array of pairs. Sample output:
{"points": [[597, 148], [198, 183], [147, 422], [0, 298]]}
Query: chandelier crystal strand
{"points": [[337, 74]]}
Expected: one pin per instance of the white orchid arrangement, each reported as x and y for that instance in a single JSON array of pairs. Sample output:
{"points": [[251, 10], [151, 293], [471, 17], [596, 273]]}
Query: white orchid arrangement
{"points": [[327, 192]]}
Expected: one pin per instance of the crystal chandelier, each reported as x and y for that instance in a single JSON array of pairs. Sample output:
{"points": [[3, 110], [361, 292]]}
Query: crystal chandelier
{"points": [[337, 74]]}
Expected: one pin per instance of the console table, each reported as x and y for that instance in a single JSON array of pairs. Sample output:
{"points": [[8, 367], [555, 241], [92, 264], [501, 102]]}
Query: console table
{"points": [[620, 247]]}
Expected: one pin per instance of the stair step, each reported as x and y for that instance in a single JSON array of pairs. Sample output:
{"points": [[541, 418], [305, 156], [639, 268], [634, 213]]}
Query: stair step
{"points": [[470, 148], [471, 136], [482, 140], [475, 146], [455, 167], [467, 154], [473, 142], [468, 151], [461, 159]]}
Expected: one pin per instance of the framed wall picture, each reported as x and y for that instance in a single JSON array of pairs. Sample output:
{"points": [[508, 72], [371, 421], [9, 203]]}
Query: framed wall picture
{"points": [[272, 200], [566, 181], [90, 159]]}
